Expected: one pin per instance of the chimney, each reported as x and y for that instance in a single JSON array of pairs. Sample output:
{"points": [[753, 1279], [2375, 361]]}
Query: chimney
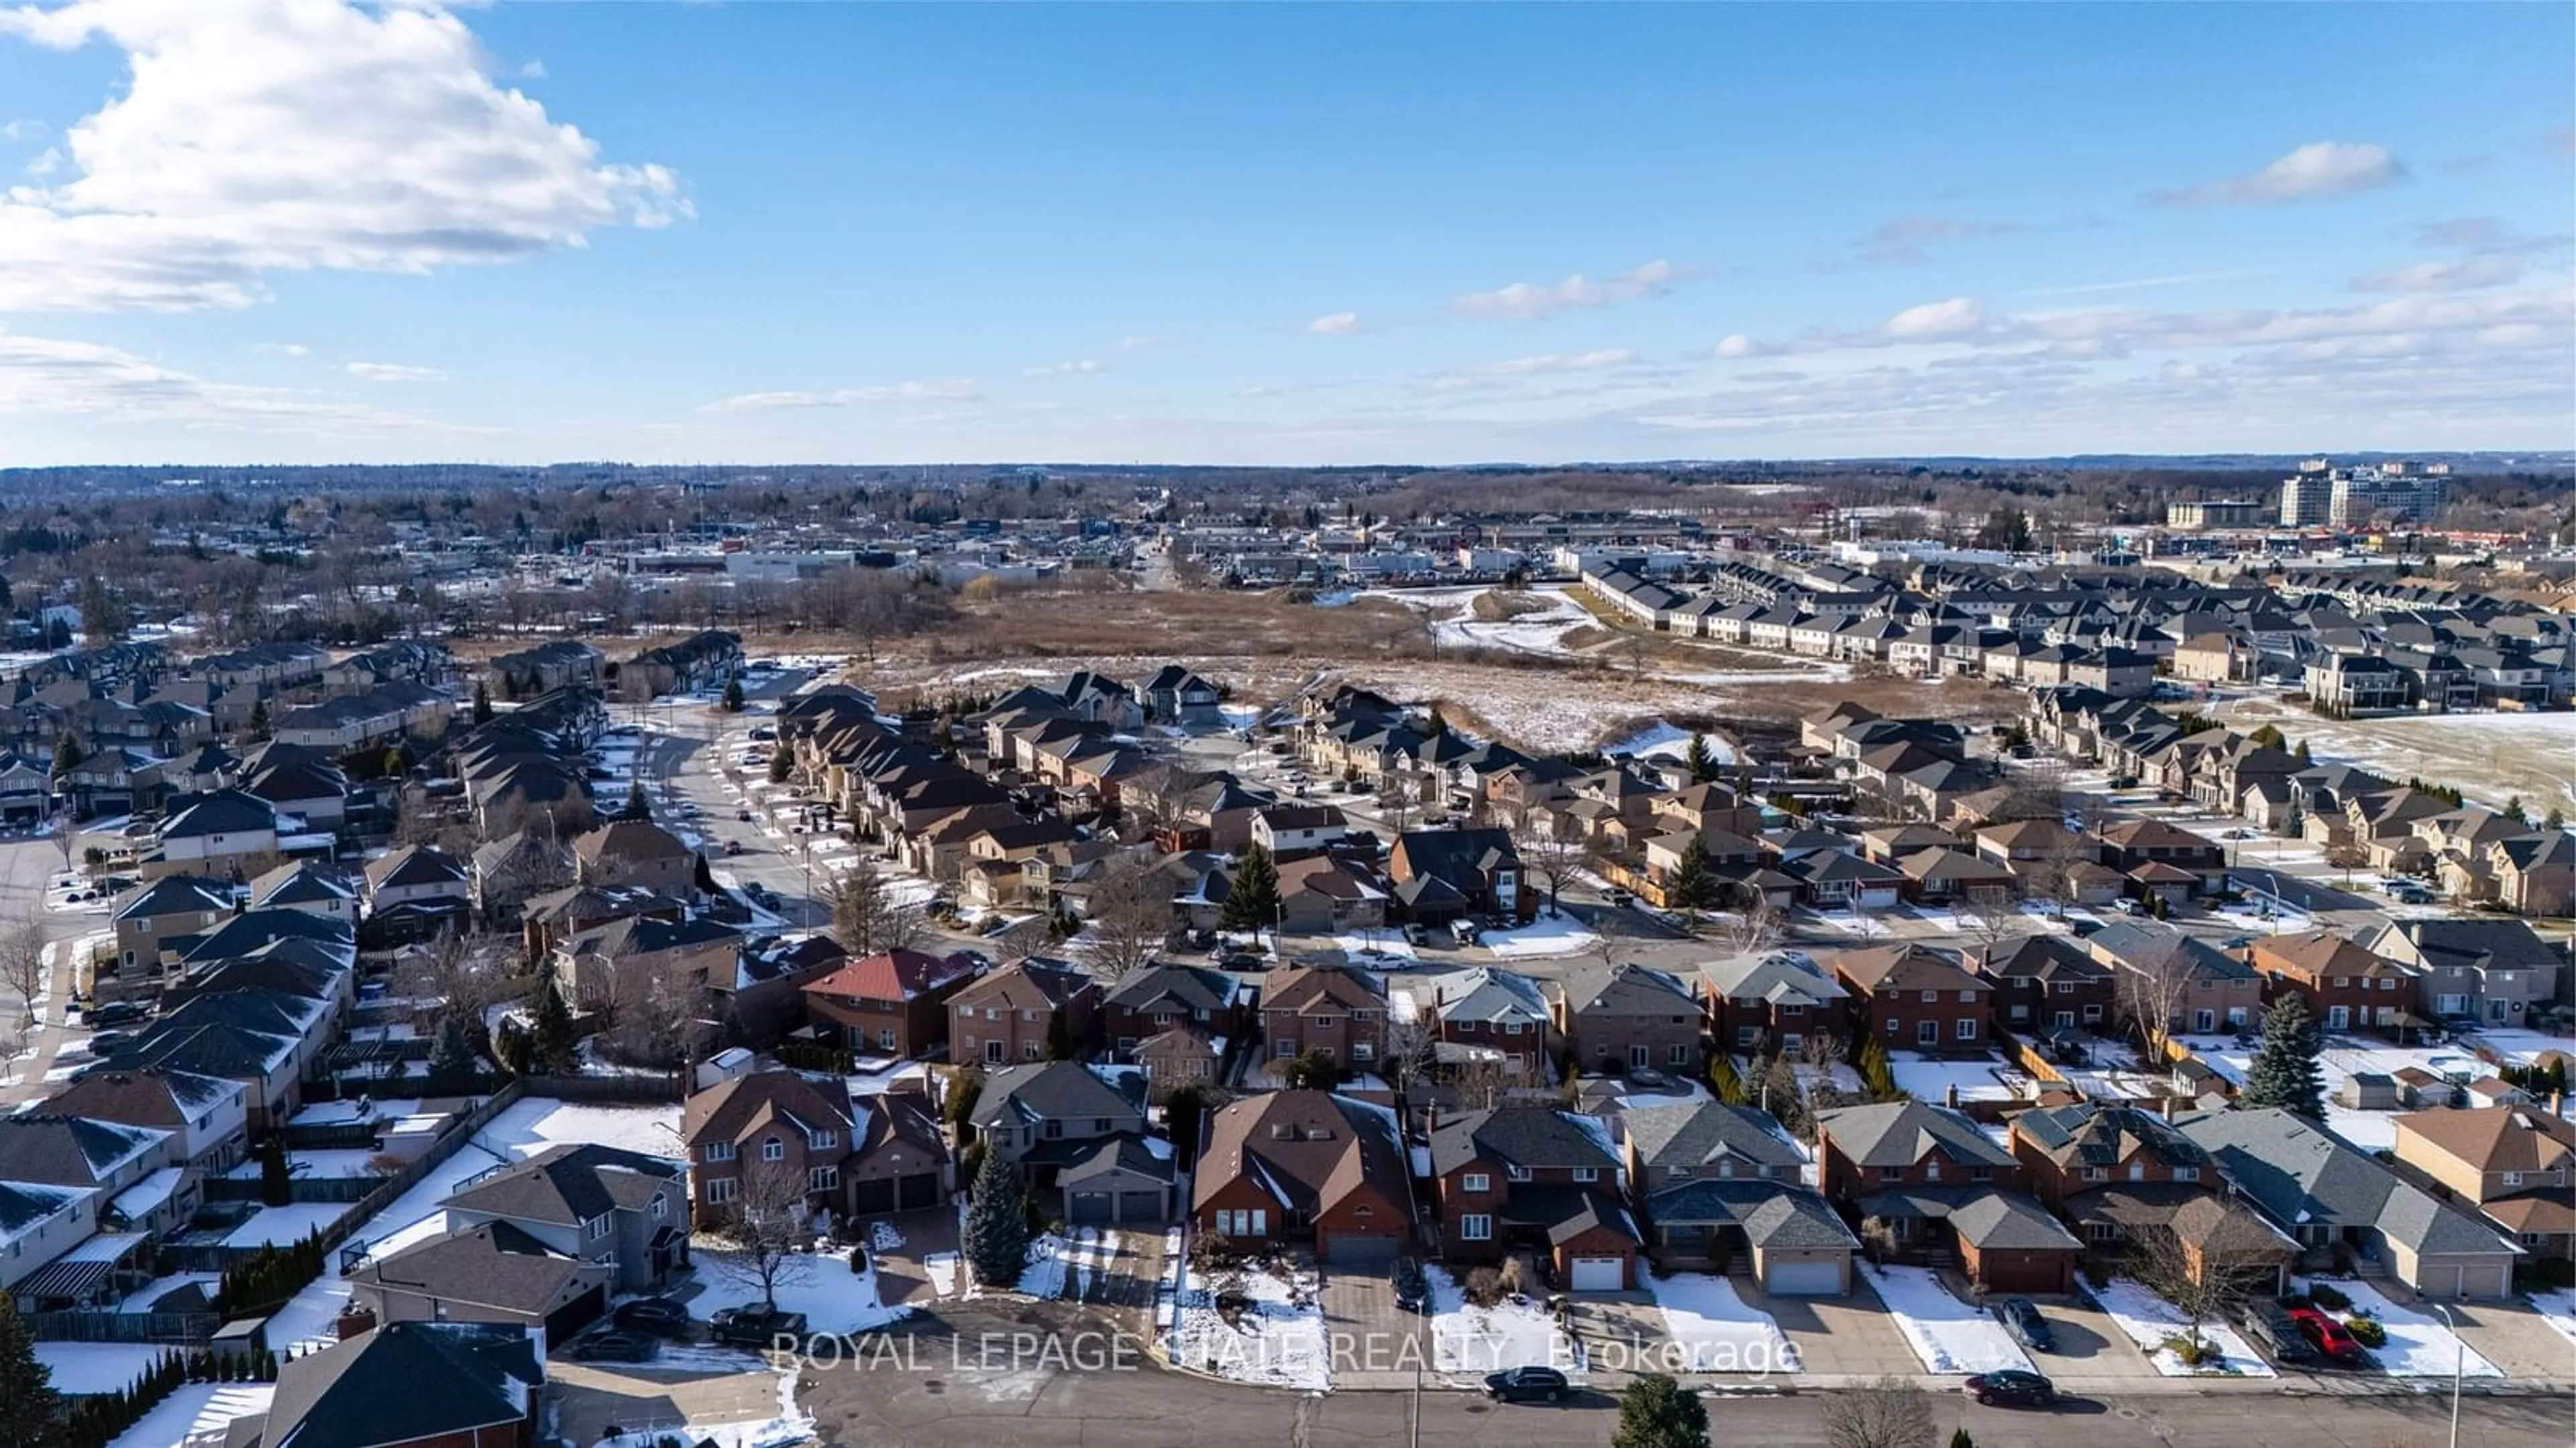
{"points": [[1950, 1096]]}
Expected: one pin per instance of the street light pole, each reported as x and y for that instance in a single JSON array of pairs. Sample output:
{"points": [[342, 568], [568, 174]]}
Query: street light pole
{"points": [[2459, 1366]]}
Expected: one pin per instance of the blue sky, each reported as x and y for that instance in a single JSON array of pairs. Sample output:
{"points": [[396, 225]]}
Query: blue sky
{"points": [[298, 230]]}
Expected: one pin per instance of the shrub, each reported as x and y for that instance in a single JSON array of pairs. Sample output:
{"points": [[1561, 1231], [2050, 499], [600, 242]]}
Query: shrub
{"points": [[1484, 1286], [2329, 1297], [2368, 1331], [1513, 1283]]}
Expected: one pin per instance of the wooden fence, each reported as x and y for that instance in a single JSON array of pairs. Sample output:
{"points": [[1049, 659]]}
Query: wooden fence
{"points": [[78, 1324]]}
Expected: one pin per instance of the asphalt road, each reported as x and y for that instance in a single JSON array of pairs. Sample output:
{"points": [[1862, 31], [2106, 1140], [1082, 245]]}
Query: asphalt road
{"points": [[26, 866], [968, 1376]]}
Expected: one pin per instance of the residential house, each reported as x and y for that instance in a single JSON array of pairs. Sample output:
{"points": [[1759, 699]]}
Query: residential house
{"points": [[1923, 1179], [2515, 1164], [226, 835], [2201, 988], [2132, 846], [1540, 1178], [174, 908], [636, 852], [2347, 1211], [1330, 895], [1629, 1017], [405, 1385], [1720, 1188], [1911, 995], [1292, 830], [1482, 1015], [765, 999], [602, 1204], [859, 1156], [2045, 984], [2472, 968], [1163, 998], [1174, 695], [1029, 1011], [2345, 986], [894, 1003], [1285, 1167], [1080, 1138], [2117, 1172], [1340, 1013], [315, 888], [1443, 874], [494, 1273], [1780, 997]]}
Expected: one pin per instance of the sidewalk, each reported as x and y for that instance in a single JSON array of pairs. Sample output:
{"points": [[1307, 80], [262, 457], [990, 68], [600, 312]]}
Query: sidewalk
{"points": [[27, 1078]]}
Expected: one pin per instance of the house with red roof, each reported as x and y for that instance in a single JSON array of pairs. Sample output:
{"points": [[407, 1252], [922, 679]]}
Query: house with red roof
{"points": [[894, 1003]]}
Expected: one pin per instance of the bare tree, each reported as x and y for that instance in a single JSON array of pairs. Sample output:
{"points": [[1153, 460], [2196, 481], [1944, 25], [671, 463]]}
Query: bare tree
{"points": [[866, 918], [22, 963], [1988, 916], [1880, 1413], [1552, 857], [1129, 919], [1754, 928], [1158, 797], [67, 835], [2199, 1288], [1478, 1083], [2151, 995], [765, 1224], [459, 976], [1412, 1048], [1395, 801]]}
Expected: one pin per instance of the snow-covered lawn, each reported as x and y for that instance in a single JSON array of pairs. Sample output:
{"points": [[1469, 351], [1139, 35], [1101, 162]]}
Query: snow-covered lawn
{"points": [[2149, 1320], [1930, 1079], [97, 1367], [2524, 1048], [1381, 945], [1547, 935], [285, 1226], [790, 1425], [1948, 1335], [1717, 1330], [943, 1268], [821, 1286], [194, 1408], [2418, 1346], [1473, 1341], [1278, 1341], [1044, 1274], [2558, 1309]]}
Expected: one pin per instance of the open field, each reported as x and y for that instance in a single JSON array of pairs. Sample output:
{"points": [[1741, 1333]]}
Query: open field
{"points": [[2491, 757]]}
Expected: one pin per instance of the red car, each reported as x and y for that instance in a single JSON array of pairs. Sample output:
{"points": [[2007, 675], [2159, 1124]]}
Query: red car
{"points": [[2330, 1336]]}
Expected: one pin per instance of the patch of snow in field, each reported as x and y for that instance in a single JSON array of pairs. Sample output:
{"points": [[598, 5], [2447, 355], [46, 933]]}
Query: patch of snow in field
{"points": [[1660, 740], [821, 1286], [2148, 1320], [1950, 1336], [1514, 1332], [1546, 936], [85, 1368], [1278, 1341], [1717, 1329], [194, 1408], [2418, 1346]]}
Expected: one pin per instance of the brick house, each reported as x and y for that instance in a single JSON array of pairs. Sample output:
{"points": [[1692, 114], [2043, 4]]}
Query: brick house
{"points": [[2046, 983], [2115, 1172], [890, 1004], [2515, 1164], [1630, 1017], [1922, 1180], [2345, 985], [1296, 1166], [407, 1385], [1779, 997], [860, 1156], [2205, 988], [1170, 997], [1009, 1015], [1444, 874], [1341, 1013], [1485, 1014], [1537, 1178], [2130, 844], [1914, 996]]}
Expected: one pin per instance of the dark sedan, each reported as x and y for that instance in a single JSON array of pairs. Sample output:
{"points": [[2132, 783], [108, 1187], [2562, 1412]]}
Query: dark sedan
{"points": [[1520, 1385], [659, 1316], [2012, 1388], [2021, 1318], [615, 1347]]}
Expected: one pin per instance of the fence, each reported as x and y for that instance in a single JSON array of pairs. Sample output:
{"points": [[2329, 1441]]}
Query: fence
{"points": [[88, 1325], [298, 1189]]}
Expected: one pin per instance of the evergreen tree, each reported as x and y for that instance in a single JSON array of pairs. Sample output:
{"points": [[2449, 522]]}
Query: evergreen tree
{"points": [[1059, 1043], [482, 703], [2514, 811], [2557, 819], [454, 1060], [996, 1239], [259, 720], [2301, 754], [1723, 1080], [1437, 726], [1181, 1113], [2285, 1072], [27, 1397], [68, 755], [1254, 903], [276, 1181], [637, 807], [1701, 761], [557, 1047], [1876, 1072], [1689, 889], [732, 700], [1960, 1437], [782, 762], [1656, 1412]]}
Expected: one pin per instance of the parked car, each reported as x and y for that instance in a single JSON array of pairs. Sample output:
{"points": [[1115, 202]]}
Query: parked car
{"points": [[1416, 935], [1412, 1289], [764, 732], [114, 1013], [107, 1041], [733, 847], [659, 1316], [752, 1325], [2270, 1329], [2021, 1319], [2329, 1337], [1515, 1385], [2011, 1387], [614, 1347], [1463, 931]]}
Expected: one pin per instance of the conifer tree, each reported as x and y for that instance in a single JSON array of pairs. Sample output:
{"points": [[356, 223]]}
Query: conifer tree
{"points": [[2284, 1072], [482, 702], [27, 1396], [557, 1046], [1701, 761], [996, 1240], [1254, 902]]}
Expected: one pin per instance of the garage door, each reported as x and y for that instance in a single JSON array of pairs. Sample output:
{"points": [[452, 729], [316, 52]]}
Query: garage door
{"points": [[1140, 1206], [1804, 1279], [1596, 1274], [1347, 1250], [917, 1191], [575, 1315], [1088, 1208], [873, 1197]]}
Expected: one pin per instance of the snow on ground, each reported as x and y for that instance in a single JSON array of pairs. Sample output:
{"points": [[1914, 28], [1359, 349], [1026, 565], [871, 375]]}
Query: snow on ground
{"points": [[942, 1268], [1043, 1274], [2149, 1320], [821, 1286], [1660, 740], [1717, 1329], [194, 1408], [1382, 946], [651, 1130], [1278, 1341], [2418, 1346], [1947, 1334], [884, 1236], [1929, 1079], [1514, 1332], [2524, 1048], [285, 1226], [97, 1367], [352, 1161], [2558, 1309], [1547, 935], [790, 1425]]}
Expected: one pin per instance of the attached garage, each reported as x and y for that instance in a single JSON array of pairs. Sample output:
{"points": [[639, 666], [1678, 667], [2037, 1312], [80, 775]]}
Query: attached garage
{"points": [[1597, 1274], [2460, 1278], [1121, 1183], [1351, 1249], [1808, 1278], [577, 1314], [879, 1196]]}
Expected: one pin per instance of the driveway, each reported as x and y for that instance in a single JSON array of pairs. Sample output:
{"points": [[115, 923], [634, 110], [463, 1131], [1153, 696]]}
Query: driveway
{"points": [[1376, 1345], [901, 1277]]}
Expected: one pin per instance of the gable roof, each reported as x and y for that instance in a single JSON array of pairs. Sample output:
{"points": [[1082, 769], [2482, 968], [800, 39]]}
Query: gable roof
{"points": [[894, 975], [569, 1184], [1902, 1133], [1526, 1136], [1055, 1090], [1698, 1133], [400, 1382], [1307, 1149], [2300, 1173]]}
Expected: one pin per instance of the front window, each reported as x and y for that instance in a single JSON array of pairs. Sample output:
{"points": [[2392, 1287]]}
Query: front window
{"points": [[822, 1178], [720, 1190], [1476, 1181], [1967, 1030], [719, 1151], [1928, 1032], [773, 1149], [823, 1140], [1587, 1174], [1476, 1227]]}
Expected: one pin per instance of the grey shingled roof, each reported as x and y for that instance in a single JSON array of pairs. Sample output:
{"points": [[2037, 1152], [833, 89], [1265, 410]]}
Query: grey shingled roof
{"points": [[1697, 1133], [2301, 1174], [401, 1382], [1772, 1214], [1050, 1090], [1900, 1133], [568, 1185], [1530, 1136]]}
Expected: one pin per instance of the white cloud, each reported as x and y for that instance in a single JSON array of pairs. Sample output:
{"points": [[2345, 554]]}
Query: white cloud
{"points": [[53, 378], [1553, 362], [533, 70], [1901, 242], [25, 128], [1077, 368], [2492, 269], [1526, 300], [283, 349], [955, 390], [1738, 345], [1335, 324], [295, 135], [1937, 319], [2320, 168], [392, 372]]}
